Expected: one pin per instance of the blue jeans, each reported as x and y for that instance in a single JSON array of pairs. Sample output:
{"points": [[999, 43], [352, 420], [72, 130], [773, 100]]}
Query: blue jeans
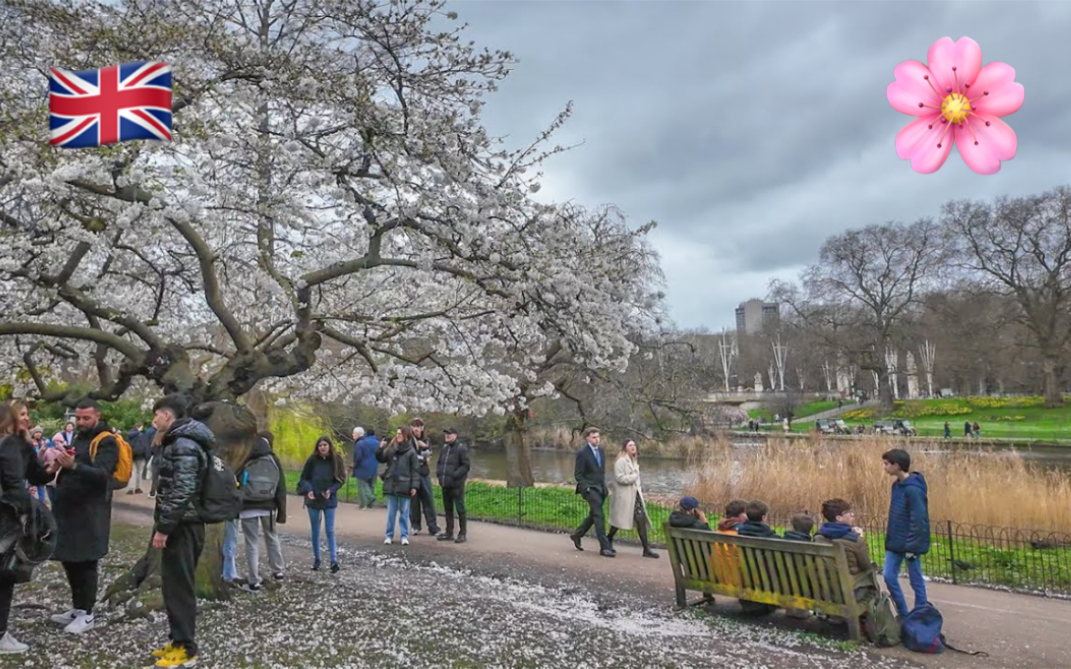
{"points": [[230, 550], [329, 529], [396, 505], [893, 561]]}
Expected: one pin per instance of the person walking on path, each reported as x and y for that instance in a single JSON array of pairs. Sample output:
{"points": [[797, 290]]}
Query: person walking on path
{"points": [[178, 530], [322, 476], [365, 466], [83, 511], [590, 475], [452, 470], [19, 468], [400, 480], [425, 499], [948, 430], [627, 506], [140, 441], [908, 535], [263, 485]]}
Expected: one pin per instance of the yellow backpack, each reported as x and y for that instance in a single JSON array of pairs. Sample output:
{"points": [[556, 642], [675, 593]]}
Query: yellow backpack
{"points": [[124, 468]]}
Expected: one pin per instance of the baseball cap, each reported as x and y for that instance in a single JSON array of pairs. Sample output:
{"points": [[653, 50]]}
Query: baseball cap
{"points": [[689, 503], [449, 430]]}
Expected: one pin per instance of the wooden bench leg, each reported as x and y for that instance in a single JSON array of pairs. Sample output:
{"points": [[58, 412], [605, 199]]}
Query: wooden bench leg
{"points": [[682, 598], [855, 631]]}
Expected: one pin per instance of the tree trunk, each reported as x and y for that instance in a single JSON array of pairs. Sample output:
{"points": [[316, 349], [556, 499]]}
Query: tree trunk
{"points": [[885, 394], [518, 456], [235, 428], [1053, 396]]}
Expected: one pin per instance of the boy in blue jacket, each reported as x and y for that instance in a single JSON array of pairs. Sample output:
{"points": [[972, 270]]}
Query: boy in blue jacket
{"points": [[908, 535]]}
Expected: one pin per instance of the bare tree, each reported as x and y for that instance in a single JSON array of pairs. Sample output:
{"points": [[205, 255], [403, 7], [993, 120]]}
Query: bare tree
{"points": [[1022, 246], [865, 283]]}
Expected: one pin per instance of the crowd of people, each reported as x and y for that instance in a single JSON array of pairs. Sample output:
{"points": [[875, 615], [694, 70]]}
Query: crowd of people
{"points": [[76, 471]]}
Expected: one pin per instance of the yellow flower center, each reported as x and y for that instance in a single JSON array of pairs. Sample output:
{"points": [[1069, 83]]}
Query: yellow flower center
{"points": [[955, 108]]}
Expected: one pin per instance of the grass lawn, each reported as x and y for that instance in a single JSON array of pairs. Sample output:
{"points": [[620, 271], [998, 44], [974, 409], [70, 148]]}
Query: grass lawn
{"points": [[802, 411], [1008, 418]]}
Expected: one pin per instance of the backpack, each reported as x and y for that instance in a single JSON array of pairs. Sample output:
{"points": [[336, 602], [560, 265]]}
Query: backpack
{"points": [[261, 480], [879, 622], [221, 499], [124, 468], [921, 632]]}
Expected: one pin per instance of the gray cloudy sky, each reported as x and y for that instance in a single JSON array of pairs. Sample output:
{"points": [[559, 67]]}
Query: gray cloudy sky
{"points": [[753, 130]]}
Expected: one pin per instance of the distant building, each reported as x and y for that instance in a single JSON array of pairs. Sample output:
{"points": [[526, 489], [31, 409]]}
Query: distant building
{"points": [[752, 315]]}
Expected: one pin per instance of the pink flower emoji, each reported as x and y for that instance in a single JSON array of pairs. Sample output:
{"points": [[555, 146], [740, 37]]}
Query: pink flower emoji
{"points": [[957, 101]]}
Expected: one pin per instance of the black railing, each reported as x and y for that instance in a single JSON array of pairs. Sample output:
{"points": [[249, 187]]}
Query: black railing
{"points": [[1037, 562]]}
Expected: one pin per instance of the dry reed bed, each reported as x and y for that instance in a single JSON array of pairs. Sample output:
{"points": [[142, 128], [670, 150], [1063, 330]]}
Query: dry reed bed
{"points": [[982, 487]]}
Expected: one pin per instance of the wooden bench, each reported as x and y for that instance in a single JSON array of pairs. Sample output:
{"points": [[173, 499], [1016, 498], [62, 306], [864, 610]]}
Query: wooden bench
{"points": [[788, 574]]}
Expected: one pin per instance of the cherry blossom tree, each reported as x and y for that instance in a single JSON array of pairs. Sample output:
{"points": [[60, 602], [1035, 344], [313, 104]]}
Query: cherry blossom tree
{"points": [[331, 219]]}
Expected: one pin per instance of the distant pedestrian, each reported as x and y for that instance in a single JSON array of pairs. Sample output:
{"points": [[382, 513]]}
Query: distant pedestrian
{"points": [[967, 430], [322, 476], [365, 466], [627, 507], [977, 430], [400, 479], [452, 470], [590, 475], [907, 536], [948, 430]]}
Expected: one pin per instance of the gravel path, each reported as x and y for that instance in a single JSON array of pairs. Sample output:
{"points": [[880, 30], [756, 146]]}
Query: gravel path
{"points": [[389, 610]]}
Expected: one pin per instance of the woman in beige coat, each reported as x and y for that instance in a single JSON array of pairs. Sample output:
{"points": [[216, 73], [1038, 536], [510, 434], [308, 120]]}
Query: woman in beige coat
{"points": [[627, 509]]}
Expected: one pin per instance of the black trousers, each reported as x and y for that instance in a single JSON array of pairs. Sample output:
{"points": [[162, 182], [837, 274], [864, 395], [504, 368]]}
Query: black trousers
{"points": [[454, 498], [177, 567], [83, 577], [425, 501], [7, 593], [595, 499], [641, 521]]}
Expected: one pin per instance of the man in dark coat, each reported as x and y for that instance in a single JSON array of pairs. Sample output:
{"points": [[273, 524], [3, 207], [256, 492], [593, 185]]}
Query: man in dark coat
{"points": [[590, 475], [452, 470], [178, 529], [83, 512]]}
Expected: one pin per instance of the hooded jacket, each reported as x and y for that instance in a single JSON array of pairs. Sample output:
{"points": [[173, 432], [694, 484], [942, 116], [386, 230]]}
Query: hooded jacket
{"points": [[403, 468], [278, 504], [686, 520], [793, 535], [729, 525], [855, 548], [187, 446], [909, 517], [753, 528]]}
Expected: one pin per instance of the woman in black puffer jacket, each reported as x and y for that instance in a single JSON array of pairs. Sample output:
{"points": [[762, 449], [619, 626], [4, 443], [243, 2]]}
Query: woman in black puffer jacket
{"points": [[322, 476], [18, 466], [400, 480]]}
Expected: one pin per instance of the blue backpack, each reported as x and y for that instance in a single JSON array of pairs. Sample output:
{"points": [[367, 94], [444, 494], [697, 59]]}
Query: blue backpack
{"points": [[920, 631]]}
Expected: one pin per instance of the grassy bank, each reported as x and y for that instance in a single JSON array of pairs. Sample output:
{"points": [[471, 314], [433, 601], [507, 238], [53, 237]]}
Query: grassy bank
{"points": [[1023, 418]]}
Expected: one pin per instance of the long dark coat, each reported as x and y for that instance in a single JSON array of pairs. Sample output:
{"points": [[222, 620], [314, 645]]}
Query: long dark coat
{"points": [[83, 504]]}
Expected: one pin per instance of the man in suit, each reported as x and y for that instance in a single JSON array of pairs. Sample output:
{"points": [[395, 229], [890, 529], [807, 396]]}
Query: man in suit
{"points": [[590, 475]]}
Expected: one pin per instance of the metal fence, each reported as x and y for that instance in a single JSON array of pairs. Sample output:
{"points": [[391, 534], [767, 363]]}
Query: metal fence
{"points": [[1036, 562]]}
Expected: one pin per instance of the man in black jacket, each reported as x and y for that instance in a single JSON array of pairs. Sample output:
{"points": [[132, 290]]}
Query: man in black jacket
{"points": [[140, 446], [424, 500], [178, 529], [83, 512], [590, 475], [452, 470]]}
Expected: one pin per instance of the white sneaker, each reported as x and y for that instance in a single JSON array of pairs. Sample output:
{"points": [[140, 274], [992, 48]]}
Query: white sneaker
{"points": [[68, 617], [405, 542], [9, 645], [82, 623], [388, 541]]}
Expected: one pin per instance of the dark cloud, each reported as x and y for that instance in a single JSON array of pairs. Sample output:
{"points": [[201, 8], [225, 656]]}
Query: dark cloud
{"points": [[752, 131]]}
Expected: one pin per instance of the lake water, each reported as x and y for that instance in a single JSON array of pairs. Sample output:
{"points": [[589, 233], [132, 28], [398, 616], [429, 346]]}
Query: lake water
{"points": [[672, 476]]}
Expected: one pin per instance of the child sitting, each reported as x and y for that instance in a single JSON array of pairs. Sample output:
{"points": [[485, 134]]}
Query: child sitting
{"points": [[734, 517], [756, 522], [838, 530], [802, 524]]}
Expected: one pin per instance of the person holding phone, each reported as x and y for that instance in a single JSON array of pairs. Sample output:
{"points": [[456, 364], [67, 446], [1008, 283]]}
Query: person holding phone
{"points": [[400, 480]]}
